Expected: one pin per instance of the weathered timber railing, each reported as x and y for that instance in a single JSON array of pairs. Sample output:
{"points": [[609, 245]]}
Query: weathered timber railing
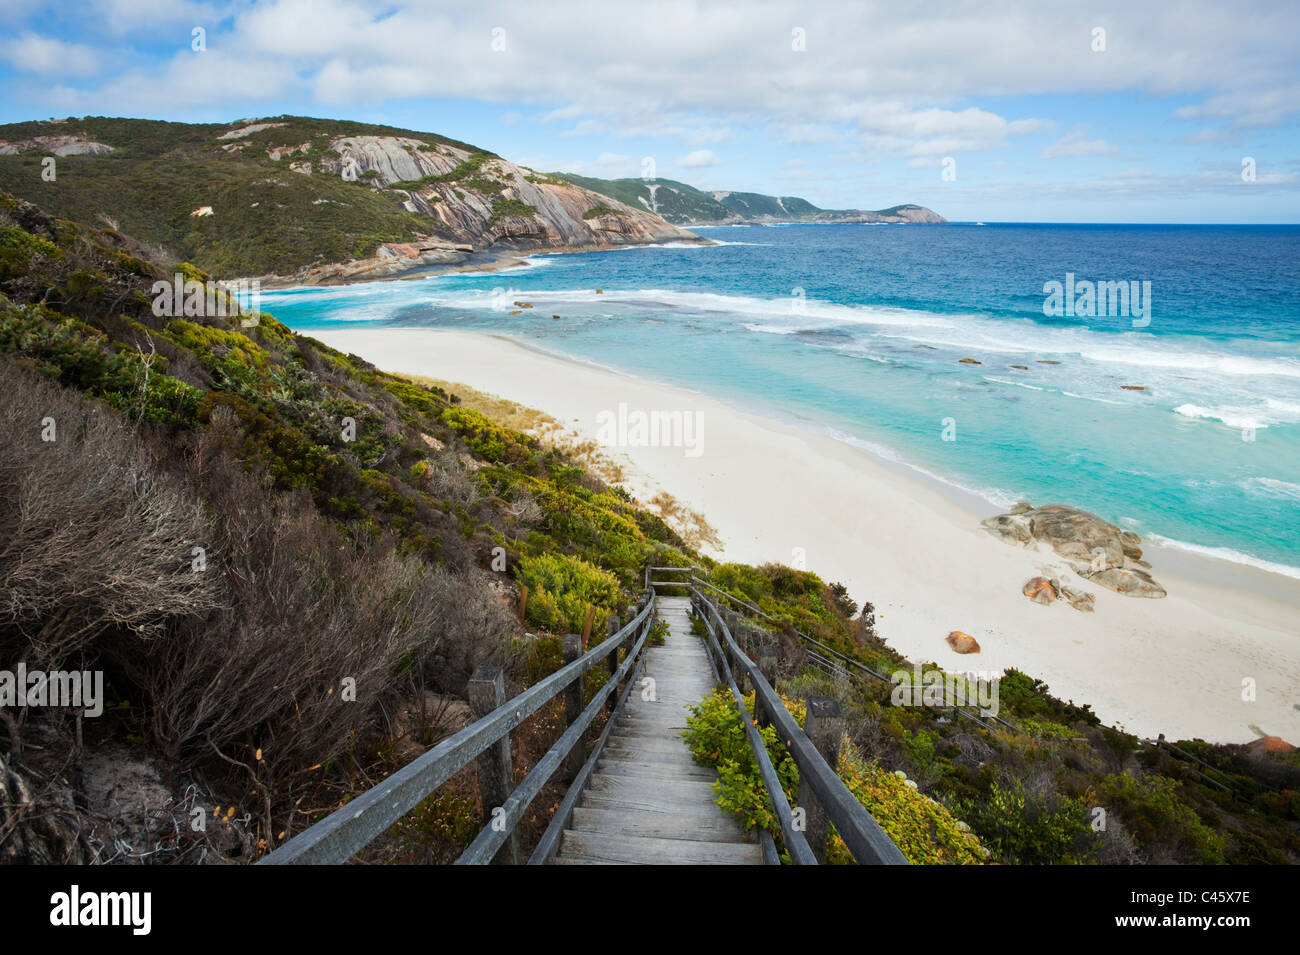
{"points": [[343, 833], [823, 797], [826, 657]]}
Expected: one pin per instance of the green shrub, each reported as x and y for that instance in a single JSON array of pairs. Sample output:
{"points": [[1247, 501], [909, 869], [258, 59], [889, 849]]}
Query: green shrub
{"points": [[716, 736], [561, 588], [600, 209], [18, 249], [1155, 816], [1021, 829], [510, 208]]}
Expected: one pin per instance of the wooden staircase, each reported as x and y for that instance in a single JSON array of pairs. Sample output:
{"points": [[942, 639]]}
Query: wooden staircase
{"points": [[649, 802]]}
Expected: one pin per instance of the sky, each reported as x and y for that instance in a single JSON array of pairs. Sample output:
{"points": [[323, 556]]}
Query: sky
{"points": [[1146, 111]]}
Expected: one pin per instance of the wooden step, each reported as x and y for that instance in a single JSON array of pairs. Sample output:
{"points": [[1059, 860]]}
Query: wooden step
{"points": [[647, 747], [659, 825], [646, 850], [675, 804], [654, 769]]}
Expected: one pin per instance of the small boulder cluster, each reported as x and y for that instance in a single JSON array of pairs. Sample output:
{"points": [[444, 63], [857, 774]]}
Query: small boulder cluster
{"points": [[1093, 548]]}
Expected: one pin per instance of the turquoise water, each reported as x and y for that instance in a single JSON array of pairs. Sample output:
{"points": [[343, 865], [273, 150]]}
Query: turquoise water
{"points": [[858, 331]]}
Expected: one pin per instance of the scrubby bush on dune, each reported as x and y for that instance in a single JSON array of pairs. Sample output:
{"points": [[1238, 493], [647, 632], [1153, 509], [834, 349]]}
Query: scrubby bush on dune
{"points": [[94, 536], [561, 588]]}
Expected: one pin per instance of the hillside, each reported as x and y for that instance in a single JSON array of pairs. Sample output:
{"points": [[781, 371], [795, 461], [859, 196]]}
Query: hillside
{"points": [[304, 199], [231, 521], [685, 205]]}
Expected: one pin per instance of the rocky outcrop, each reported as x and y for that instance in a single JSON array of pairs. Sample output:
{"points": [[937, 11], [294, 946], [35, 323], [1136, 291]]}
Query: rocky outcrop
{"points": [[496, 204], [390, 260], [56, 145], [248, 130], [1093, 548], [962, 642]]}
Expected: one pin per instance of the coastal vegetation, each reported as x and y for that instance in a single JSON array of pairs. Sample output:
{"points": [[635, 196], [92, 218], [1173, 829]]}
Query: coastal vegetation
{"points": [[287, 563]]}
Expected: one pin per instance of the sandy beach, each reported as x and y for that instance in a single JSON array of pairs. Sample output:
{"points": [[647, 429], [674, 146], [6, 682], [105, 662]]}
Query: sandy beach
{"points": [[915, 549]]}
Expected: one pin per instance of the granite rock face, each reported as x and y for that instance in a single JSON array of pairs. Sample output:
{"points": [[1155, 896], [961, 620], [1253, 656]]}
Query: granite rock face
{"points": [[55, 145], [561, 213]]}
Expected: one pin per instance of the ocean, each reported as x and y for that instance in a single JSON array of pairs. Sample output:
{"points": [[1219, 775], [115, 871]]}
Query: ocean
{"points": [[1169, 404]]}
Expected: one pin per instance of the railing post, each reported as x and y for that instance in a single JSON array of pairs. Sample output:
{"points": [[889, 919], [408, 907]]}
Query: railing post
{"points": [[573, 696], [824, 727], [496, 778], [741, 673], [767, 665], [614, 626]]}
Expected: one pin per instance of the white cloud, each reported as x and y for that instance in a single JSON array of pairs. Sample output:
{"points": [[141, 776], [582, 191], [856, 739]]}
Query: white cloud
{"points": [[678, 68], [1076, 143], [1210, 136], [700, 159], [46, 56], [894, 127]]}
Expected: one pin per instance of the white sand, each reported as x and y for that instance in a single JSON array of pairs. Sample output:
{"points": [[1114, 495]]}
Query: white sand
{"points": [[917, 551]]}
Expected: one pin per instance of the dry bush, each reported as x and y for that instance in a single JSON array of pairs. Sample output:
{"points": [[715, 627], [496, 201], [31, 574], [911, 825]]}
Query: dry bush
{"points": [[93, 536], [261, 683], [524, 509], [449, 479], [1115, 846], [690, 525]]}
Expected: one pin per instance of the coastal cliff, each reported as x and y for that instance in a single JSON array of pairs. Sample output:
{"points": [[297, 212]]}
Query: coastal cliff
{"points": [[293, 199]]}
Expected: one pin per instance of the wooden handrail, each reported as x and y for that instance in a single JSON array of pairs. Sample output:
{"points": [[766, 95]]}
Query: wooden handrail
{"points": [[484, 847], [854, 665], [347, 830], [861, 833], [796, 843]]}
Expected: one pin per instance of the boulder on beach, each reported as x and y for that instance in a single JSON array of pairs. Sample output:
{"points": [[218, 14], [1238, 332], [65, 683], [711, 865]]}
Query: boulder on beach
{"points": [[1129, 581], [1043, 591], [963, 642], [1093, 548], [1270, 744], [1078, 599], [1040, 590]]}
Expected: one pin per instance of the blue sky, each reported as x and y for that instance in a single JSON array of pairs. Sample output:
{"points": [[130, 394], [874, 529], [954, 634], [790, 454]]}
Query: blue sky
{"points": [[1034, 114]]}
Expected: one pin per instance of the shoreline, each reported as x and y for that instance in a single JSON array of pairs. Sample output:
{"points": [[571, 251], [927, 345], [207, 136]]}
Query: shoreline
{"points": [[477, 260], [914, 547]]}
